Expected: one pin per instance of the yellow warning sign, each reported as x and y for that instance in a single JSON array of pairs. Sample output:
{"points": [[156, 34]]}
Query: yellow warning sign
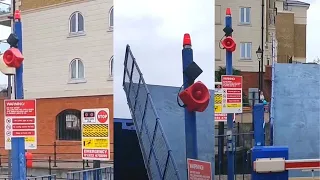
{"points": [[26, 139], [95, 130], [233, 105], [217, 108], [29, 139], [218, 99], [95, 143]]}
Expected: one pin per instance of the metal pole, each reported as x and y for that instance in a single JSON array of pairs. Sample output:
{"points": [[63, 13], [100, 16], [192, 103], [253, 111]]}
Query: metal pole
{"points": [[18, 144], [190, 117], [259, 80], [230, 141], [262, 42], [9, 152]]}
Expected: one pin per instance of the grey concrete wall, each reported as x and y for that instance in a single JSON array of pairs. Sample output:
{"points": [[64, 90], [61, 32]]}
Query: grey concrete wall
{"points": [[172, 119], [297, 111]]}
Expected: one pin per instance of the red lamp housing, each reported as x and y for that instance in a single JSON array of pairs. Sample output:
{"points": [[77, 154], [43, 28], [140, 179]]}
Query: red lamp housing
{"points": [[196, 97], [13, 57], [186, 39], [29, 159], [229, 44]]}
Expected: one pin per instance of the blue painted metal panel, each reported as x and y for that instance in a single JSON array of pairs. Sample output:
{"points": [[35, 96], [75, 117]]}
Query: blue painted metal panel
{"points": [[269, 152], [172, 119], [296, 111]]}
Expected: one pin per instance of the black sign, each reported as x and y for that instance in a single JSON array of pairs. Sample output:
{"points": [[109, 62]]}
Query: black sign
{"points": [[89, 114]]}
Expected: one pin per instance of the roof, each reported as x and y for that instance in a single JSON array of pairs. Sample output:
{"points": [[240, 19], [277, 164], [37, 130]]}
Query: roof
{"points": [[297, 3]]}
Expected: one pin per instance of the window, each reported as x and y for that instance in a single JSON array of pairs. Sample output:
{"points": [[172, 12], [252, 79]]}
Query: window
{"points": [[76, 69], [245, 15], [217, 14], [69, 125], [76, 23], [111, 67], [245, 50], [111, 19]]}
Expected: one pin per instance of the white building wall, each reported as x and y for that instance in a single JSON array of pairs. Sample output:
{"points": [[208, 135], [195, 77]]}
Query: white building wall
{"points": [[48, 50], [242, 33]]}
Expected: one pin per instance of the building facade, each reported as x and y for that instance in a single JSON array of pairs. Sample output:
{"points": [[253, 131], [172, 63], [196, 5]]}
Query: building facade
{"points": [[68, 66], [254, 24]]}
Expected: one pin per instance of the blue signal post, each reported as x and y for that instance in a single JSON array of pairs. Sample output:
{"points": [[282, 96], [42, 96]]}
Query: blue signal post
{"points": [[18, 143], [190, 117], [230, 140]]}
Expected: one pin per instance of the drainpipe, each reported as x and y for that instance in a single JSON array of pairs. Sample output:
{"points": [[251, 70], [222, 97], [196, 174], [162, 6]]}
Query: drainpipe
{"points": [[262, 44]]}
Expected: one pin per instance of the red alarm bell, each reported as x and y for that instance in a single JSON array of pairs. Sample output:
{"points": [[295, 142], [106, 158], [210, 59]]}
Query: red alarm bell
{"points": [[229, 44], [13, 57], [196, 97]]}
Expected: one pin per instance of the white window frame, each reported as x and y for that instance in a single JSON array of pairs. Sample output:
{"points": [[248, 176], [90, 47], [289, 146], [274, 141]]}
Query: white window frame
{"points": [[246, 56], [111, 67], [77, 32], [111, 19], [245, 16], [77, 79]]}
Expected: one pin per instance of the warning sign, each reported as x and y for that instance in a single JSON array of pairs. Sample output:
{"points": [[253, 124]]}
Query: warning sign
{"points": [[20, 121], [95, 143], [199, 170], [232, 94], [95, 134], [95, 130]]}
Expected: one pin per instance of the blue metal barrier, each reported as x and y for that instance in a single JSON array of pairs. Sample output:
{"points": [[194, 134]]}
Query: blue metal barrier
{"points": [[105, 173], [46, 177], [156, 152]]}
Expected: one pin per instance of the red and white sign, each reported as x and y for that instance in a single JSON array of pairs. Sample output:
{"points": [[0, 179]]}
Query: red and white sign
{"points": [[199, 170], [20, 121], [232, 94], [222, 117], [95, 123], [102, 116], [96, 153]]}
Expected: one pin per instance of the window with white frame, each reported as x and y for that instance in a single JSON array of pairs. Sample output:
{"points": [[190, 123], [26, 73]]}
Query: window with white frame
{"points": [[76, 22], [111, 18], [246, 50], [76, 69], [111, 67], [245, 15]]}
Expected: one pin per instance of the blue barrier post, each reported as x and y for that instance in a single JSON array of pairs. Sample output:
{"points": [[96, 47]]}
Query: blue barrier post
{"points": [[18, 158], [230, 141], [269, 152], [190, 117], [18, 144], [258, 118]]}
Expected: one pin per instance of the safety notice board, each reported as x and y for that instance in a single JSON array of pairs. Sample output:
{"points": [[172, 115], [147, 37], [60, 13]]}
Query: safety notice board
{"points": [[95, 134]]}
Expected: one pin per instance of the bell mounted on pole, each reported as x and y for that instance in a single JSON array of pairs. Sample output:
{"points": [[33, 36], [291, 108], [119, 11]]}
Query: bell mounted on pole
{"points": [[196, 97], [229, 44]]}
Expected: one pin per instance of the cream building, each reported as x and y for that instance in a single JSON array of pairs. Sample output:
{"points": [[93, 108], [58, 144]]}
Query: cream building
{"points": [[250, 31]]}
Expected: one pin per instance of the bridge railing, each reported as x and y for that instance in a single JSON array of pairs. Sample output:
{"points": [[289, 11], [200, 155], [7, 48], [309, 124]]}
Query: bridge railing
{"points": [[46, 177], [105, 173], [155, 149]]}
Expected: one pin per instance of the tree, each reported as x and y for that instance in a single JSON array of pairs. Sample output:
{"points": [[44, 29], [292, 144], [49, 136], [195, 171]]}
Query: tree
{"points": [[317, 60]]}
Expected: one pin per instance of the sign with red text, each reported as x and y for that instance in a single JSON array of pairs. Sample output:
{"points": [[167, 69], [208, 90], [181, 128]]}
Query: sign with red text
{"points": [[95, 134], [232, 94], [199, 170], [20, 121]]}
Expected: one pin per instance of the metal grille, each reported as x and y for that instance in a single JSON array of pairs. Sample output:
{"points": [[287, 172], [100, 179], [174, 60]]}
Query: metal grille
{"points": [[69, 125], [155, 149]]}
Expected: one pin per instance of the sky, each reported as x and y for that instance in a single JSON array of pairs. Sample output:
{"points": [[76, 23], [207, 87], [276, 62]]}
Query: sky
{"points": [[155, 32]]}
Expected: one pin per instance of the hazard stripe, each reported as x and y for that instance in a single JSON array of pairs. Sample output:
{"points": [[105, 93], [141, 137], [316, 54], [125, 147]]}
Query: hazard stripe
{"points": [[302, 164], [95, 130]]}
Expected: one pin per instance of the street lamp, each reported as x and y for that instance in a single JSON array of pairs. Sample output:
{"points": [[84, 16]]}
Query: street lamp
{"points": [[259, 56]]}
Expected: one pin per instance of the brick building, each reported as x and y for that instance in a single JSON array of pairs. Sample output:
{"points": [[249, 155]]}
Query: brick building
{"points": [[68, 50]]}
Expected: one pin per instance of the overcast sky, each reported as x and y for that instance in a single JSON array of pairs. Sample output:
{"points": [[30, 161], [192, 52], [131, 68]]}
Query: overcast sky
{"points": [[154, 30]]}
